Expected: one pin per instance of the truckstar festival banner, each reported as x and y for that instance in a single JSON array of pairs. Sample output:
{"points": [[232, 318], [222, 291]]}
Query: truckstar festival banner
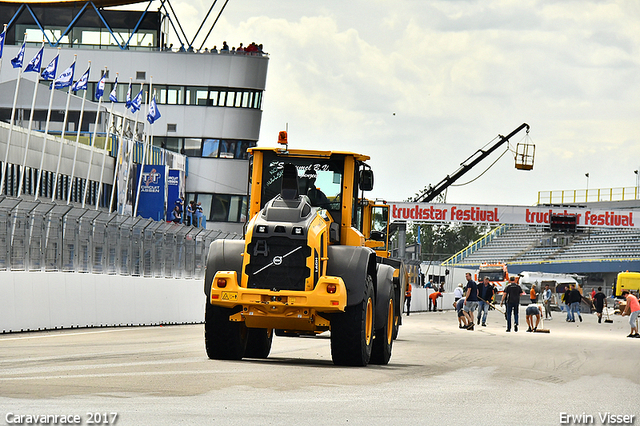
{"points": [[519, 215]]}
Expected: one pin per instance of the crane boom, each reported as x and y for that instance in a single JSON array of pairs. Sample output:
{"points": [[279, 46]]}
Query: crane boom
{"points": [[433, 191]]}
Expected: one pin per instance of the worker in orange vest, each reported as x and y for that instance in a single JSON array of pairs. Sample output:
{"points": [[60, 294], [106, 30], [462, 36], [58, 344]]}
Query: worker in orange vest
{"points": [[407, 296]]}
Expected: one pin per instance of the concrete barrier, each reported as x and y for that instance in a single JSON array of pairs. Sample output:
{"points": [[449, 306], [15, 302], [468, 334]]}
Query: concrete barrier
{"points": [[53, 300], [420, 301]]}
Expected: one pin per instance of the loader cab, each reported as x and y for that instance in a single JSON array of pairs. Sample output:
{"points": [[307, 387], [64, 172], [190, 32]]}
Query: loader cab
{"points": [[330, 180]]}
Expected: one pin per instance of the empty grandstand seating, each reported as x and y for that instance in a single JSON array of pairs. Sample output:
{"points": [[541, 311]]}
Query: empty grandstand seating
{"points": [[522, 243]]}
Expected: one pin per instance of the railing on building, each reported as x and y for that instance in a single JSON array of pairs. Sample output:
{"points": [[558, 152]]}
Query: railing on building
{"points": [[588, 195], [43, 236]]}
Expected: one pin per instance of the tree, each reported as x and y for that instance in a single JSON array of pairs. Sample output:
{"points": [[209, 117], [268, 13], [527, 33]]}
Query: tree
{"points": [[440, 241]]}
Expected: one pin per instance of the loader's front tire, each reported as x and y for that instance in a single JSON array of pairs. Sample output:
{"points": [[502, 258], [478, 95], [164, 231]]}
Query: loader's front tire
{"points": [[383, 343], [352, 331], [224, 339], [258, 342]]}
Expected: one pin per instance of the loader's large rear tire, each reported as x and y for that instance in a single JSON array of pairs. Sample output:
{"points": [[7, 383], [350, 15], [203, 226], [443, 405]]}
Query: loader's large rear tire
{"points": [[383, 343], [352, 331], [258, 343], [224, 339]]}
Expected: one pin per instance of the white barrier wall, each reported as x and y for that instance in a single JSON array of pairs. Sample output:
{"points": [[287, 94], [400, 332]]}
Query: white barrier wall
{"points": [[50, 300], [420, 301]]}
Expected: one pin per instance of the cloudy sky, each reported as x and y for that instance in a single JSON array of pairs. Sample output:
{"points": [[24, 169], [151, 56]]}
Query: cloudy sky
{"points": [[421, 85]]}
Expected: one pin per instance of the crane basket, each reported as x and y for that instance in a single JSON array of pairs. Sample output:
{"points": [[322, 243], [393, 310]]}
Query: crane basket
{"points": [[525, 152]]}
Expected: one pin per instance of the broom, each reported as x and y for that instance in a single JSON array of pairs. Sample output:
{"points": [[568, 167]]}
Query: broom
{"points": [[608, 320], [541, 330]]}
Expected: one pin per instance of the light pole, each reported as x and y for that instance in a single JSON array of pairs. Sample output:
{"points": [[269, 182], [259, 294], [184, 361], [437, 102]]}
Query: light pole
{"points": [[586, 195], [637, 183]]}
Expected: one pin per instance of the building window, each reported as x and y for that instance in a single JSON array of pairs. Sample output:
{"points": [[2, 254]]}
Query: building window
{"points": [[210, 148], [221, 207], [192, 147]]}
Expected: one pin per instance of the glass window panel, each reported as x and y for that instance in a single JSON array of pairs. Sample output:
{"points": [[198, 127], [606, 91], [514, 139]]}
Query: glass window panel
{"points": [[256, 100], [245, 99], [210, 148], [235, 208], [220, 208], [213, 97], [173, 144], [222, 100], [241, 150], [206, 200], [238, 102], [227, 149], [230, 99], [250, 100], [191, 98], [192, 147], [161, 94], [175, 95]]}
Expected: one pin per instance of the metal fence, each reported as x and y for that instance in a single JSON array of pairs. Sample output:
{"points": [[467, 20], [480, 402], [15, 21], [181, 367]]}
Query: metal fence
{"points": [[44, 236]]}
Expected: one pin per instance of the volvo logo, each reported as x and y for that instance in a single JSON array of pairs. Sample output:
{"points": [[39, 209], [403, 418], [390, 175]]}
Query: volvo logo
{"points": [[277, 260]]}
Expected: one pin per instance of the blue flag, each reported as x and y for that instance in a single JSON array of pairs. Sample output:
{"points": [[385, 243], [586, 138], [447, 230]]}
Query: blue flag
{"points": [[18, 60], [36, 62], [154, 114], [49, 72], [129, 96], [82, 83], [113, 96], [136, 102], [65, 79], [100, 87], [2, 42]]}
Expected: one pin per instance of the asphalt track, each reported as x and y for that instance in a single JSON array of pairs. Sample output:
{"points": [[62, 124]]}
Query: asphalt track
{"points": [[438, 374]]}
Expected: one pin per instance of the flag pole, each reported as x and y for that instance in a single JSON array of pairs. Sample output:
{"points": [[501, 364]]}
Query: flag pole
{"points": [[144, 149], [26, 148], [46, 131], [104, 155], [4, 31], [120, 144], [64, 127], [92, 146], [75, 152], [13, 116], [130, 155]]}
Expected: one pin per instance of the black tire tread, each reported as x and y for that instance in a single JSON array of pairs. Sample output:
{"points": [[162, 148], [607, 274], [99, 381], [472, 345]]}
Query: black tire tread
{"points": [[224, 339]]}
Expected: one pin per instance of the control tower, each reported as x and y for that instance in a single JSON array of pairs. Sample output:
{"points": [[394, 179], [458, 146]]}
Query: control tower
{"points": [[210, 103]]}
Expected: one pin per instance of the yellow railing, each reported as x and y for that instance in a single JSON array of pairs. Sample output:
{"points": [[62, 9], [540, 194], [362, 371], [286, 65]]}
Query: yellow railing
{"points": [[588, 195], [476, 245]]}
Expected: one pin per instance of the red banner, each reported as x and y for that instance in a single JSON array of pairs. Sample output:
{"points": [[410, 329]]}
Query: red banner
{"points": [[521, 215]]}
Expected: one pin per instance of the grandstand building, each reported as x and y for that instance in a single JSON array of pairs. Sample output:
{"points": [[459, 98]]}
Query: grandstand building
{"points": [[210, 104], [596, 253]]}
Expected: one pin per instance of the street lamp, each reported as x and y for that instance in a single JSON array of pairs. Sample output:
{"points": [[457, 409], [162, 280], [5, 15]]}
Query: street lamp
{"points": [[637, 182], [586, 195]]}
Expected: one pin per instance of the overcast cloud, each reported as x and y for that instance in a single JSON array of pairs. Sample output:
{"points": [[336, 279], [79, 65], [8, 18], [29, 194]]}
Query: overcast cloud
{"points": [[421, 85]]}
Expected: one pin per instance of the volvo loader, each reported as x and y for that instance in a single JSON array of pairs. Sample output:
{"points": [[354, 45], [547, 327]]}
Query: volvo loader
{"points": [[314, 259]]}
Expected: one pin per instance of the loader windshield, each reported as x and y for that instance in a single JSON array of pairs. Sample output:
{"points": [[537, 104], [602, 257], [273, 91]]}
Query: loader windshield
{"points": [[320, 179]]}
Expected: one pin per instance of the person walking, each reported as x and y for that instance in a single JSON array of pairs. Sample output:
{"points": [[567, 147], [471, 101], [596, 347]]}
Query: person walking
{"points": [[633, 310], [486, 291], [599, 303], [511, 296], [566, 298], [407, 298], [575, 297], [470, 302], [546, 302]]}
